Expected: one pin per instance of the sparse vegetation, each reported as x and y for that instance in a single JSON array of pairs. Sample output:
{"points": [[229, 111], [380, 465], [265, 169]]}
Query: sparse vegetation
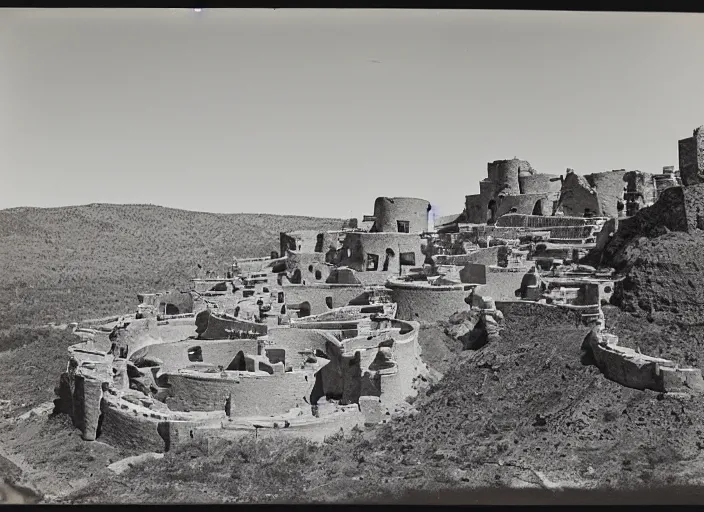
{"points": [[72, 263]]}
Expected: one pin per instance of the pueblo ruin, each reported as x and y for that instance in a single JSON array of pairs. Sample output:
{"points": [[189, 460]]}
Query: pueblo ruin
{"points": [[324, 333]]}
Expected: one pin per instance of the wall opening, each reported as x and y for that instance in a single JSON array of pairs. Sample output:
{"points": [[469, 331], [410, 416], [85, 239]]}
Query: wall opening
{"points": [[328, 302], [538, 208], [403, 226], [310, 268], [238, 364], [296, 278], [170, 309], [318, 274], [372, 262], [408, 258], [280, 297], [387, 260], [195, 354], [304, 310], [491, 211]]}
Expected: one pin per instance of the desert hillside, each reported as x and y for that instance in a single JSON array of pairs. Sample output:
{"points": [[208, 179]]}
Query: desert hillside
{"points": [[70, 263]]}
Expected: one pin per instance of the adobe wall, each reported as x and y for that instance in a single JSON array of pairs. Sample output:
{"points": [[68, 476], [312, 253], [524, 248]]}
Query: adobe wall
{"points": [[504, 173], [315, 295], [525, 204], [357, 247], [691, 158], [174, 355], [427, 305], [129, 429], [476, 207], [252, 395], [312, 266], [693, 196], [610, 188], [212, 327], [641, 191], [303, 241], [577, 195], [297, 341], [634, 370], [389, 210], [500, 285], [484, 256], [538, 183]]}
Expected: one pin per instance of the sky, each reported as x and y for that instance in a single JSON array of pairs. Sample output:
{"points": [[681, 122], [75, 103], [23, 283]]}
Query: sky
{"points": [[318, 112]]}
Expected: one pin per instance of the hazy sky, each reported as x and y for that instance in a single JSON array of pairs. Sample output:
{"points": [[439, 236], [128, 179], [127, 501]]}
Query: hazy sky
{"points": [[317, 112]]}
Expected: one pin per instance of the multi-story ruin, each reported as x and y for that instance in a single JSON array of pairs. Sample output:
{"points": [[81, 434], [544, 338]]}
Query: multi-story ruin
{"points": [[324, 333]]}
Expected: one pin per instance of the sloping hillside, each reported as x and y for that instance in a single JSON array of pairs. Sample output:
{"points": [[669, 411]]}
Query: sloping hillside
{"points": [[64, 264]]}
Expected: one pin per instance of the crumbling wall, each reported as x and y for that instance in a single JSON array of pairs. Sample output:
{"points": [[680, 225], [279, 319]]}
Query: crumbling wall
{"points": [[504, 173], [641, 191], [476, 208], [525, 204], [252, 394], [428, 304], [174, 355], [130, 429], [173, 302], [635, 370], [610, 188], [298, 343], [316, 296], [312, 266], [555, 316], [484, 256], [213, 327], [302, 241], [359, 249], [577, 196], [691, 157], [539, 183], [500, 285], [389, 210]]}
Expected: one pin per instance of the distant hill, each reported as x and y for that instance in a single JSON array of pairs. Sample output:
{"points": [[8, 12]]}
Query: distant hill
{"points": [[71, 263]]}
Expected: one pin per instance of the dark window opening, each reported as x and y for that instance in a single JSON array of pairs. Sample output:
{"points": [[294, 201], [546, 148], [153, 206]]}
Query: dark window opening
{"points": [[403, 226], [280, 298], [310, 268], [296, 278], [328, 302], [276, 355], [538, 208], [372, 262], [387, 260], [283, 309], [318, 274], [607, 289], [408, 258], [247, 293], [265, 289], [304, 310], [195, 354], [170, 309], [491, 211]]}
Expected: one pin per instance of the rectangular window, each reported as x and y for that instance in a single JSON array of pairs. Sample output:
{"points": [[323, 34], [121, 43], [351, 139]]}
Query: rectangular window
{"points": [[408, 258], [372, 261], [403, 226]]}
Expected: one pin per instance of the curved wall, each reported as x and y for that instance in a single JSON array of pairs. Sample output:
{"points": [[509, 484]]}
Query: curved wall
{"points": [[427, 305], [389, 210], [252, 395]]}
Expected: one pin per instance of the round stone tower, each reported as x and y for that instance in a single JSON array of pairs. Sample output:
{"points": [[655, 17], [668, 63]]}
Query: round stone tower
{"points": [[401, 215], [504, 174]]}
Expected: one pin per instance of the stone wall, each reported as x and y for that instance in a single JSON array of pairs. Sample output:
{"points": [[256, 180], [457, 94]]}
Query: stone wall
{"points": [[635, 370], [389, 210], [691, 156], [610, 189], [252, 394], [316, 295], [428, 304], [130, 429]]}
